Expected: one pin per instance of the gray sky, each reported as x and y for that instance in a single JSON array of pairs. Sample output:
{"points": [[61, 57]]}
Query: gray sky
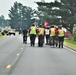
{"points": [[6, 4]]}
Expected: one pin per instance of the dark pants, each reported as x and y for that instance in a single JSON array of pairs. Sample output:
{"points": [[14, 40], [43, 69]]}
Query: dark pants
{"points": [[61, 40], [56, 40], [24, 38], [32, 39], [40, 40], [52, 40], [47, 39]]}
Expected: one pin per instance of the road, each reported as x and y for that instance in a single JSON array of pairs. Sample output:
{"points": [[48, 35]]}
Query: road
{"points": [[17, 58]]}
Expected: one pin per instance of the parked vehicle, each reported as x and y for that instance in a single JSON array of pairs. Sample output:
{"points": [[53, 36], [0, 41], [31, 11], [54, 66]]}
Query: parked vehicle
{"points": [[11, 32]]}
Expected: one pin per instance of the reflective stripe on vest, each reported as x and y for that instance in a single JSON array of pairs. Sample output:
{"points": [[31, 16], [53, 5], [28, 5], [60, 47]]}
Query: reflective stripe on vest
{"points": [[61, 33], [41, 31], [52, 32], [33, 30]]}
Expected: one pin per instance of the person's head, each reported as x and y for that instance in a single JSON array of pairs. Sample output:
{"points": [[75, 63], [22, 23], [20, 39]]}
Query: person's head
{"points": [[40, 26], [60, 27], [33, 25], [52, 26], [55, 26], [47, 27], [43, 26]]}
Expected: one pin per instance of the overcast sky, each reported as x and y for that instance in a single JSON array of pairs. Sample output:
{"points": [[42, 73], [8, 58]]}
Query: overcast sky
{"points": [[6, 4]]}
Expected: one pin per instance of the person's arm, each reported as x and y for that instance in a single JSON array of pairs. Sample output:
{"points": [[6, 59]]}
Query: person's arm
{"points": [[64, 33], [22, 32], [26, 30], [56, 32], [44, 31], [29, 30], [49, 31], [37, 30]]}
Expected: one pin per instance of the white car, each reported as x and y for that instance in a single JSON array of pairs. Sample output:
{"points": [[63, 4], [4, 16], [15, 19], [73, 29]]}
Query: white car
{"points": [[11, 32]]}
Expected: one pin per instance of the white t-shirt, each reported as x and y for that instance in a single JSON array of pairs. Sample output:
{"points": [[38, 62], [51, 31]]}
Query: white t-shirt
{"points": [[46, 31]]}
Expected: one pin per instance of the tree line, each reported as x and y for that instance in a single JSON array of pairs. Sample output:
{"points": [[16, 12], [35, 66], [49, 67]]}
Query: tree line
{"points": [[3, 21], [59, 12], [20, 16]]}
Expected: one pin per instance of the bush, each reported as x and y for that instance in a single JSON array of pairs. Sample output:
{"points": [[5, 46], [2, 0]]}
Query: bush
{"points": [[75, 38], [71, 37], [74, 33]]}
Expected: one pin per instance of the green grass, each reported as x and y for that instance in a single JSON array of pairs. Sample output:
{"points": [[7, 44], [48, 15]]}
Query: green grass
{"points": [[70, 43], [0, 35]]}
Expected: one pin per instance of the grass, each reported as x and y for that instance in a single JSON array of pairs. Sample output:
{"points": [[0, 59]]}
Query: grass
{"points": [[70, 43], [0, 35]]}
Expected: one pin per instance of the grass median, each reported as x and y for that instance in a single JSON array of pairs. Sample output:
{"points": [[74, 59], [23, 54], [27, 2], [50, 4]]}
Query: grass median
{"points": [[69, 43], [2, 35]]}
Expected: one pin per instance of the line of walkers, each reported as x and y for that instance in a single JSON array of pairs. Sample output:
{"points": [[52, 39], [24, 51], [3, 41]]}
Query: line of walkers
{"points": [[54, 35]]}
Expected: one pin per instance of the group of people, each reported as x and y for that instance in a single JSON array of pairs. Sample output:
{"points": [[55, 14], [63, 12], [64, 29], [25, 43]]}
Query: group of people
{"points": [[54, 35]]}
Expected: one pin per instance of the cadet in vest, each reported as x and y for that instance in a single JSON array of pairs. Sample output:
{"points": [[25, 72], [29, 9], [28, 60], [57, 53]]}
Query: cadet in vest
{"points": [[52, 35], [61, 34], [32, 32], [41, 36], [56, 36]]}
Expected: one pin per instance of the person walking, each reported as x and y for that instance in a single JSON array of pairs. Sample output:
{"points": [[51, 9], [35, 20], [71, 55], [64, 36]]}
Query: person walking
{"points": [[47, 35], [61, 34], [32, 32], [24, 32], [41, 36], [52, 35], [56, 36]]}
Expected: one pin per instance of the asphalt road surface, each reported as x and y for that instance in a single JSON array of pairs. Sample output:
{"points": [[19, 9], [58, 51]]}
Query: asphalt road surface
{"points": [[17, 58]]}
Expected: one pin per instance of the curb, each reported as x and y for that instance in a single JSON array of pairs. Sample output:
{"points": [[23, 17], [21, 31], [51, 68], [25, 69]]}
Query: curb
{"points": [[70, 47]]}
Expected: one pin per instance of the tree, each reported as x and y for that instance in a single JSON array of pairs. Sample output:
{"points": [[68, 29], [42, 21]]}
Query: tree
{"points": [[71, 8], [3, 21], [20, 16], [65, 8], [14, 15]]}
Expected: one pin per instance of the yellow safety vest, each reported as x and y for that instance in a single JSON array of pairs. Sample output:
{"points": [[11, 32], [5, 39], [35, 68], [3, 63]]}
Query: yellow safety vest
{"points": [[41, 31], [61, 32], [33, 30], [52, 32]]}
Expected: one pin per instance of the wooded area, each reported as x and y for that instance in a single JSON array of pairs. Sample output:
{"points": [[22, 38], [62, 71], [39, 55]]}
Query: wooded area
{"points": [[61, 12]]}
